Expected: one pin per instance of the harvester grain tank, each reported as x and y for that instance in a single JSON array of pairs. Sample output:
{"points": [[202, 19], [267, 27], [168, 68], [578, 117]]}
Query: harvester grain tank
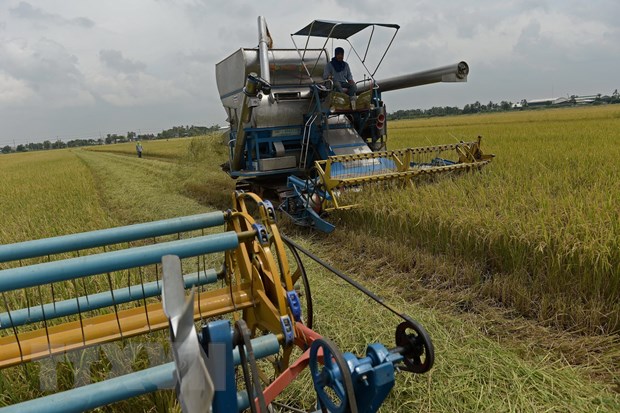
{"points": [[295, 138]]}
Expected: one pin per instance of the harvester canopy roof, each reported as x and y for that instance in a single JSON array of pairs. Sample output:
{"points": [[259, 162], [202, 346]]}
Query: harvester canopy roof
{"points": [[337, 30]]}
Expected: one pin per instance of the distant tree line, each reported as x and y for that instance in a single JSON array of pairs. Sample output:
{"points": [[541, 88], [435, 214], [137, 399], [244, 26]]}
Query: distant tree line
{"points": [[503, 106], [476, 107], [45, 145], [188, 131], [174, 132]]}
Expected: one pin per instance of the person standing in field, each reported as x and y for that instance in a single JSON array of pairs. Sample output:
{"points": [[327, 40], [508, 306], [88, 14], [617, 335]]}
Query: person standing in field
{"points": [[340, 73], [139, 149]]}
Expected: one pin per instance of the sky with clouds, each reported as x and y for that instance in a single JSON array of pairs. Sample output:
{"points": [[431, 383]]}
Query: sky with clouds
{"points": [[78, 69]]}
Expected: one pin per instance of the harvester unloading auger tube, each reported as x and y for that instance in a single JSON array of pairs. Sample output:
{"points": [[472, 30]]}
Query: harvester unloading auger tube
{"points": [[296, 139], [130, 284]]}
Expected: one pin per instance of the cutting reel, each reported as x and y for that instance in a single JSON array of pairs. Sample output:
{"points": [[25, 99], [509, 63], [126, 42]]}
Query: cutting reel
{"points": [[255, 335]]}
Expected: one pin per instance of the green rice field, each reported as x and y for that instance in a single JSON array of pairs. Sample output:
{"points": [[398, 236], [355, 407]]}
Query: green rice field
{"points": [[514, 270], [543, 218]]}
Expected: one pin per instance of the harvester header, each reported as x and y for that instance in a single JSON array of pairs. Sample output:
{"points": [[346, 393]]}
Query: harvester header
{"points": [[255, 310]]}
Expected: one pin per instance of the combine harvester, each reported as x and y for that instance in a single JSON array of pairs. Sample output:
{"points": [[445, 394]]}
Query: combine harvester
{"points": [[120, 283], [290, 134], [295, 139]]}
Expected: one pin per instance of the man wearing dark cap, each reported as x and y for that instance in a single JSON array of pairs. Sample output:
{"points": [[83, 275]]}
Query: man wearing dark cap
{"points": [[339, 72]]}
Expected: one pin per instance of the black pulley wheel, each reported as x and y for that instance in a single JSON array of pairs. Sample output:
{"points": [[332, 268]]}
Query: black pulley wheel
{"points": [[249, 367], [416, 347]]}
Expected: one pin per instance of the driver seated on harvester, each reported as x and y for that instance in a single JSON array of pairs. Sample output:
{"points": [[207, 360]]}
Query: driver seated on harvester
{"points": [[338, 71]]}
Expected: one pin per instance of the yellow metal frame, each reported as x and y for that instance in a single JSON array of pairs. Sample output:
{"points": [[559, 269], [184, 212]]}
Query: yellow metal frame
{"points": [[470, 156], [114, 326], [257, 277], [256, 263]]}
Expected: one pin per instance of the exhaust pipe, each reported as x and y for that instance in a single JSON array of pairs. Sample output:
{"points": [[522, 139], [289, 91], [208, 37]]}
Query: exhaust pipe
{"points": [[263, 48]]}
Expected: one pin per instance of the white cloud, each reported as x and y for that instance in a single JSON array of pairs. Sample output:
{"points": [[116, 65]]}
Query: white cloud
{"points": [[13, 91], [25, 10], [135, 89], [47, 73], [141, 63], [114, 60]]}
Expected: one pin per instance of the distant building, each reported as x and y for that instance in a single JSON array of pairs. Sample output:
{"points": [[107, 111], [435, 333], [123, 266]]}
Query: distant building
{"points": [[585, 100], [540, 102], [562, 101]]}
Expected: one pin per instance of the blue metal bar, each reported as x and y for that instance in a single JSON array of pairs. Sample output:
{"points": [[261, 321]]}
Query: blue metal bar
{"points": [[66, 243], [55, 271], [130, 385], [349, 145], [101, 393], [265, 173], [263, 346], [96, 301]]}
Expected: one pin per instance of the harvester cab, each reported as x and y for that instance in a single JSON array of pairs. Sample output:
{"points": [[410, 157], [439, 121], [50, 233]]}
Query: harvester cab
{"points": [[297, 139]]}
